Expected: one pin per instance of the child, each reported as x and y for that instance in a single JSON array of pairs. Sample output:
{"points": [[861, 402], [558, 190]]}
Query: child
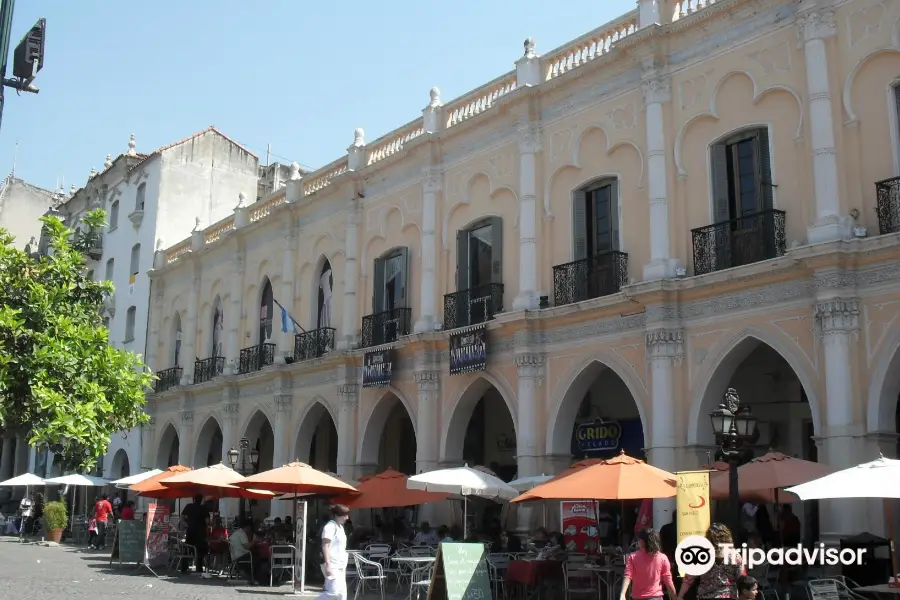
{"points": [[92, 532], [747, 587]]}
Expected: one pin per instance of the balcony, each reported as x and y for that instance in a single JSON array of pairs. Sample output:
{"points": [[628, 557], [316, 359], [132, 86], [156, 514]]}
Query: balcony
{"points": [[888, 205], [90, 242], [749, 239], [256, 357], [167, 379], [313, 344], [207, 368], [473, 306], [592, 277], [385, 327]]}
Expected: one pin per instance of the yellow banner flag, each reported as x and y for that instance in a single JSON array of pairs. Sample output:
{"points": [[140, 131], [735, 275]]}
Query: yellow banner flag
{"points": [[692, 504]]}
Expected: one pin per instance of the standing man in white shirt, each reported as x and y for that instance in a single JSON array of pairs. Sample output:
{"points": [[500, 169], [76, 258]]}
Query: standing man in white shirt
{"points": [[334, 554]]}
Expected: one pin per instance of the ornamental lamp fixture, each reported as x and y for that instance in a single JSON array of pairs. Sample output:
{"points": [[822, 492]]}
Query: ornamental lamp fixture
{"points": [[233, 456]]}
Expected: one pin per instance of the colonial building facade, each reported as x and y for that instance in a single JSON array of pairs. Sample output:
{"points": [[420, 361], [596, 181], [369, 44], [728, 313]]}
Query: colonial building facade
{"points": [[579, 257]]}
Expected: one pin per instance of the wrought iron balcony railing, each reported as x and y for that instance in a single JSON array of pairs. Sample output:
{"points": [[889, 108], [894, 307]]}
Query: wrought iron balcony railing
{"points": [[743, 241], [888, 205], [592, 277], [473, 306], [385, 327], [207, 368], [313, 344], [256, 357], [167, 379]]}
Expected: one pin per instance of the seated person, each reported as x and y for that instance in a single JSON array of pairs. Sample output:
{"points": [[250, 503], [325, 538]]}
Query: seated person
{"points": [[243, 546], [555, 548], [540, 538], [128, 511], [426, 536], [219, 532], [443, 534]]}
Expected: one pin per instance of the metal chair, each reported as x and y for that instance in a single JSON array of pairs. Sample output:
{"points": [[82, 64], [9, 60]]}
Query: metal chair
{"points": [[578, 582], [368, 573], [281, 559], [420, 579], [246, 559], [497, 564], [831, 589], [182, 552]]}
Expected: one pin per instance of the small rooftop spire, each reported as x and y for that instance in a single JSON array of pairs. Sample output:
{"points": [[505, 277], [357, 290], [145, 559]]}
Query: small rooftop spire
{"points": [[72, 190], [108, 162], [92, 174], [359, 137], [295, 171], [435, 95], [131, 145]]}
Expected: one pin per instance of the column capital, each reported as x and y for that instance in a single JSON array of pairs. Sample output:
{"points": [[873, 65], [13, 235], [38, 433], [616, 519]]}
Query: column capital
{"points": [[815, 24], [432, 179], [238, 261], [187, 418], [530, 369], [657, 89], [231, 411], [428, 381], [529, 137], [665, 344], [838, 315]]}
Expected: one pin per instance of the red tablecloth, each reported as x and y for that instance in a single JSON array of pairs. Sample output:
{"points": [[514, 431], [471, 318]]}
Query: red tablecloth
{"points": [[533, 572]]}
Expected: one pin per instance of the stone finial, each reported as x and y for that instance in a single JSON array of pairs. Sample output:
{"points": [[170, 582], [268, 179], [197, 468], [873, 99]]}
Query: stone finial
{"points": [[131, 145], [159, 244], [295, 171], [529, 48], [359, 137], [196, 225], [435, 95], [92, 174], [72, 190], [242, 200], [108, 163]]}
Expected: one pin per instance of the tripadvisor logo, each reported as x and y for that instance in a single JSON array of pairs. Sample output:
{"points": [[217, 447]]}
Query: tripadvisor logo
{"points": [[695, 556]]}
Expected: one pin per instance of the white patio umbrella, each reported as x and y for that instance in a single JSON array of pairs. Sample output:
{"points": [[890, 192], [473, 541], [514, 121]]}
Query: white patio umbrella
{"points": [[23, 480], [523, 484], [78, 480], [463, 481], [877, 479], [127, 482]]}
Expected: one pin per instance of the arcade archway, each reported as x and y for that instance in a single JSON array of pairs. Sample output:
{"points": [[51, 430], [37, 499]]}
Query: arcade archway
{"points": [[389, 438], [167, 452]]}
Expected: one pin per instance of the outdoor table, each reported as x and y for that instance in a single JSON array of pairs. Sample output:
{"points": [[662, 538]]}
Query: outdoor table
{"points": [[881, 591], [533, 572], [607, 575], [413, 559]]}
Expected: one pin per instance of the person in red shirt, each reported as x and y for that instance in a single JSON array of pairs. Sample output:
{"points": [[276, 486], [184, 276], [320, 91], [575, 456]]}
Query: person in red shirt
{"points": [[128, 511], [102, 511]]}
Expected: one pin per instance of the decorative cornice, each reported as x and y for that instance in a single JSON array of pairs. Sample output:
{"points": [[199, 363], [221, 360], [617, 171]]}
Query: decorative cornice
{"points": [[838, 315], [815, 24]]}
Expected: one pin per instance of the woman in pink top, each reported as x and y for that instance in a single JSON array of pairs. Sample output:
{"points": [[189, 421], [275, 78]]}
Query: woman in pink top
{"points": [[648, 569]]}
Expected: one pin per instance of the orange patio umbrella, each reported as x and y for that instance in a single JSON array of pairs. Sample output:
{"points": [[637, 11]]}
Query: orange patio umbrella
{"points": [[581, 464], [215, 480], [386, 490], [152, 487], [619, 478], [762, 478]]}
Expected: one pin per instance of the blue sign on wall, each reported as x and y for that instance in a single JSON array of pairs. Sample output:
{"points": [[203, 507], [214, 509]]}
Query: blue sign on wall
{"points": [[601, 438]]}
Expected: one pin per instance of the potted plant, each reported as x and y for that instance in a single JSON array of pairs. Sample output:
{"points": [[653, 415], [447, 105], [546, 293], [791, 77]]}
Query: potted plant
{"points": [[56, 518]]}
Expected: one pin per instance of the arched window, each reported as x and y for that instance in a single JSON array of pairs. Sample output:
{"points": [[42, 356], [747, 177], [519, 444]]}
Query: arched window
{"points": [[326, 290], [480, 255], [135, 263], [741, 168], [140, 197], [391, 281], [218, 328], [110, 269], [266, 308], [114, 215], [130, 317], [595, 218]]}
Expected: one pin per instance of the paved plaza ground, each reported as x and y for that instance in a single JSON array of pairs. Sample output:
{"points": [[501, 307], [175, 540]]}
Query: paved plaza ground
{"points": [[33, 572]]}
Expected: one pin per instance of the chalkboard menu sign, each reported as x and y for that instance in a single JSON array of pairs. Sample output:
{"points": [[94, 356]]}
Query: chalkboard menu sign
{"points": [[468, 351], [460, 573], [377, 367], [129, 543]]}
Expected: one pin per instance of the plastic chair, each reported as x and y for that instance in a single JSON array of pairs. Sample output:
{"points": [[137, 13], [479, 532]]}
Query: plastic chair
{"points": [[579, 582], [281, 559], [368, 573]]}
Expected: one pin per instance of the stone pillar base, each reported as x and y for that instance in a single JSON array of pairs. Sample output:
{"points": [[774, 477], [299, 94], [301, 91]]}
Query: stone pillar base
{"points": [[827, 229], [664, 268]]}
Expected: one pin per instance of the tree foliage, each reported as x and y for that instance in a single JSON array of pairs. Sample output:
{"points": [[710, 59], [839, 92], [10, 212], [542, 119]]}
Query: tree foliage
{"points": [[61, 383]]}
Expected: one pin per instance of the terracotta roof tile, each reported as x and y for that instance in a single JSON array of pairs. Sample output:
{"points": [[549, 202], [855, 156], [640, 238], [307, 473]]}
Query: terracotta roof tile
{"points": [[211, 128]]}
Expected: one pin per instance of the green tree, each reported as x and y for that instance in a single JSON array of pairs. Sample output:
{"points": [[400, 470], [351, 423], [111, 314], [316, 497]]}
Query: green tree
{"points": [[61, 383]]}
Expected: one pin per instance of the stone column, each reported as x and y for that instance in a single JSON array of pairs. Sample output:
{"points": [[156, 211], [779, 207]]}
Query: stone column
{"points": [[351, 276], [665, 349], [428, 384], [185, 438], [838, 321], [283, 408], [287, 290], [346, 427], [432, 184], [230, 412], [814, 25], [657, 91], [156, 316], [233, 314], [188, 352], [530, 380], [528, 297]]}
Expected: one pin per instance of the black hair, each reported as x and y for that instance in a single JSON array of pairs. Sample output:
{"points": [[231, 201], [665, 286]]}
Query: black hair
{"points": [[650, 537], [339, 510], [745, 583]]}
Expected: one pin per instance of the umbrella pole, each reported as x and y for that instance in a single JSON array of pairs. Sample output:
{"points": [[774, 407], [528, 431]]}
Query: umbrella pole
{"points": [[889, 517], [303, 553]]}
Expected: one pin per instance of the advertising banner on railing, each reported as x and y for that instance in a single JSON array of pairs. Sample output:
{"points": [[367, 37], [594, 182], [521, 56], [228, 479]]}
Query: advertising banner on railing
{"points": [[377, 366], [468, 351]]}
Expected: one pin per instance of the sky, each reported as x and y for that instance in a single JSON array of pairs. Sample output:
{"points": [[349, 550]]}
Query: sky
{"points": [[298, 76]]}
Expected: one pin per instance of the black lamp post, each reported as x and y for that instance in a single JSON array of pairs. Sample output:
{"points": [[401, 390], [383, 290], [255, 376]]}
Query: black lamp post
{"points": [[242, 456], [735, 428]]}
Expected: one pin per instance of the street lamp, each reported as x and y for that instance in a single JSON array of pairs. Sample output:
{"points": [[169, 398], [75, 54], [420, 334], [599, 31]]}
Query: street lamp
{"points": [[243, 455], [735, 429]]}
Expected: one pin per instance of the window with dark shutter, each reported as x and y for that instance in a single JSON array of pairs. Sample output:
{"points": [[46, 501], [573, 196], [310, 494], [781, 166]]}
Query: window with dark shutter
{"points": [[266, 308], [741, 169], [595, 219], [390, 281]]}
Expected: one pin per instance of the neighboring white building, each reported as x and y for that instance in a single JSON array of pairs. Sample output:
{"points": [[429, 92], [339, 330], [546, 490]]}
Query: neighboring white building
{"points": [[21, 207], [148, 198]]}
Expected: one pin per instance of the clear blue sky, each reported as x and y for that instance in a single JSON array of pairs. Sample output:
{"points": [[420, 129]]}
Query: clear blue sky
{"points": [[265, 71]]}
